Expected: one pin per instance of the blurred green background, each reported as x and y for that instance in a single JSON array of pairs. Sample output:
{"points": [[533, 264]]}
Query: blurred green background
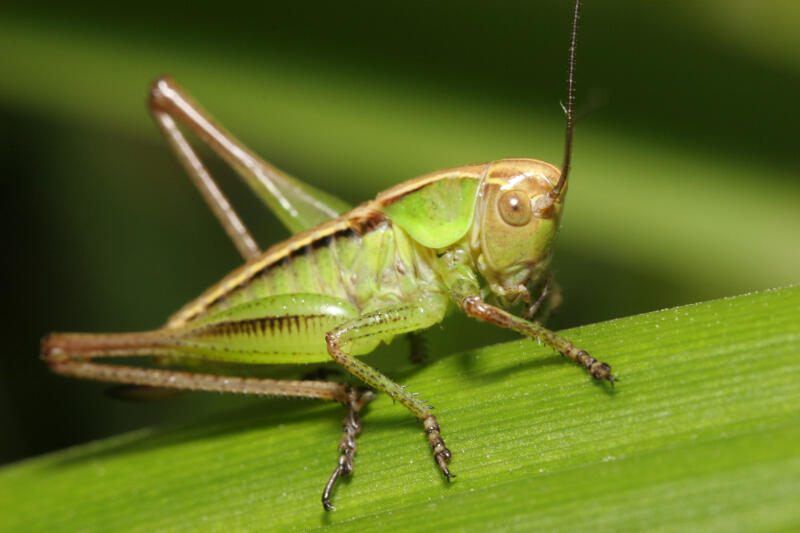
{"points": [[685, 183]]}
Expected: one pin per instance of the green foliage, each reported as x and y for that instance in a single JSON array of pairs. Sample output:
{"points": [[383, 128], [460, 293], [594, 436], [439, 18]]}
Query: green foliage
{"points": [[700, 434]]}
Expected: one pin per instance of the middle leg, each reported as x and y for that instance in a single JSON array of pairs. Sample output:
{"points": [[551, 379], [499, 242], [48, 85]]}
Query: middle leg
{"points": [[383, 324]]}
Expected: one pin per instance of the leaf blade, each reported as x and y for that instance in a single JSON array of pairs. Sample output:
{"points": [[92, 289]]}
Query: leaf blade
{"points": [[700, 434]]}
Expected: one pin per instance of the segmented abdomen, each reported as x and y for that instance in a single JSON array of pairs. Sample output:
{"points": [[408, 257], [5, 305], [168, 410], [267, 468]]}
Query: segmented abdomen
{"points": [[370, 270], [296, 337]]}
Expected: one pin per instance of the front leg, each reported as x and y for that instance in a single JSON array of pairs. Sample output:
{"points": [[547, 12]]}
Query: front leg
{"points": [[548, 302], [352, 338], [475, 307]]}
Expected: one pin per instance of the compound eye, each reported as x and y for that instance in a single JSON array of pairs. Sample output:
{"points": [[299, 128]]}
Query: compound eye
{"points": [[515, 208]]}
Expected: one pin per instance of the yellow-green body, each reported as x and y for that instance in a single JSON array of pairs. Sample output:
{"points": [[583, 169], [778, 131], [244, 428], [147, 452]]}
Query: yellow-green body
{"points": [[281, 309], [405, 247]]}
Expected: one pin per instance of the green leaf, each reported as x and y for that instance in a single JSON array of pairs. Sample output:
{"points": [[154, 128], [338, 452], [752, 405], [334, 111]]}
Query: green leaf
{"points": [[701, 433]]}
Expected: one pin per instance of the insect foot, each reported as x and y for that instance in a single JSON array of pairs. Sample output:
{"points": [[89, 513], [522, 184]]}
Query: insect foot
{"points": [[350, 430], [598, 369], [440, 451]]}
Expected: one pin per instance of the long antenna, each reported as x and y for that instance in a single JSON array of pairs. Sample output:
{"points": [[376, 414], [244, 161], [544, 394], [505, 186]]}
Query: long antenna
{"points": [[570, 107]]}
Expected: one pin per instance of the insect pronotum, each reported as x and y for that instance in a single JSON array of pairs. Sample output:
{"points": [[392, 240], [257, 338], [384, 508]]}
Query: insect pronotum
{"points": [[476, 237]]}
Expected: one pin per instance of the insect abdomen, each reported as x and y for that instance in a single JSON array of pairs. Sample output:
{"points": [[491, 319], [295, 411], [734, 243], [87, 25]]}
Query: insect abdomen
{"points": [[286, 328], [377, 266], [311, 269]]}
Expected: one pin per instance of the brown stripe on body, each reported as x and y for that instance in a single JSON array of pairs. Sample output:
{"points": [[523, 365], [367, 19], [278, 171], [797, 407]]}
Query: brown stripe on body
{"points": [[397, 192], [357, 222]]}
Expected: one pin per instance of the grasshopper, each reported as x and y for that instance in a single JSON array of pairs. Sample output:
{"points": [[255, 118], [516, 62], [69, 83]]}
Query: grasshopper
{"points": [[477, 238]]}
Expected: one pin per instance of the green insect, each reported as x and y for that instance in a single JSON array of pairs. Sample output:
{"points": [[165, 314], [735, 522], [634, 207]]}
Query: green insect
{"points": [[477, 238]]}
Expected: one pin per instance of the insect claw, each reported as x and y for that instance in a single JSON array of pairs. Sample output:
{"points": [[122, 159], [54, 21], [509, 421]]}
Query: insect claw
{"points": [[326, 494], [442, 459]]}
